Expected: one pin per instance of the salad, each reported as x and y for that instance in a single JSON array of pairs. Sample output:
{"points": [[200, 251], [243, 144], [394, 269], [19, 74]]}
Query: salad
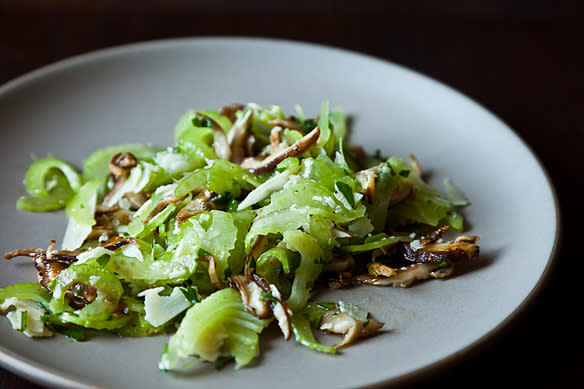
{"points": [[228, 231]]}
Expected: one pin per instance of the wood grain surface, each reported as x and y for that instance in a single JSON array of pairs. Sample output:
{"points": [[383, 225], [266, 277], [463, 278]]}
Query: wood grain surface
{"points": [[523, 60]]}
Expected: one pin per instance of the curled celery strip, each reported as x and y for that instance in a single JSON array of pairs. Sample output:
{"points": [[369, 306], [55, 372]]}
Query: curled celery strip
{"points": [[35, 179], [26, 291], [51, 182], [56, 198], [109, 291]]}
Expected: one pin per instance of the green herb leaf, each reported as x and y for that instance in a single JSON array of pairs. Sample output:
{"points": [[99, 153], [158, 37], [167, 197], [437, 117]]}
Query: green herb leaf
{"points": [[307, 126], [191, 293], [202, 122], [103, 260], [24, 321], [346, 191], [74, 333]]}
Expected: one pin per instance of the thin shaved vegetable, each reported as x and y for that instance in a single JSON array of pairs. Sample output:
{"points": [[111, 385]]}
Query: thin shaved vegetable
{"points": [[226, 231]]}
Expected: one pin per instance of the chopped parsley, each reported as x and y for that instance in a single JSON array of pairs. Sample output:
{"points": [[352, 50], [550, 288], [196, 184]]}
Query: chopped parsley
{"points": [[346, 191], [404, 173], [103, 260], [24, 321]]}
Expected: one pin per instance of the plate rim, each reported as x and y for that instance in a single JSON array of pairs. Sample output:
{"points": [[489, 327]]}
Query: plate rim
{"points": [[40, 374]]}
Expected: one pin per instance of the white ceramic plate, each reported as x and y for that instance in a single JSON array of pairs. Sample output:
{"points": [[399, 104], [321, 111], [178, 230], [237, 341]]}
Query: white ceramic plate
{"points": [[136, 93]]}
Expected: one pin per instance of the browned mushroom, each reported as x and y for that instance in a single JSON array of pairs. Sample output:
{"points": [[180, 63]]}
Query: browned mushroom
{"points": [[366, 179], [230, 110], [269, 163], [428, 249], [162, 204], [119, 166], [212, 270], [335, 321], [133, 200], [100, 232], [197, 205], [340, 233], [404, 276], [251, 296], [220, 143], [106, 220], [276, 143], [280, 309], [429, 258], [259, 246], [285, 123], [48, 263], [237, 135], [263, 300], [80, 294]]}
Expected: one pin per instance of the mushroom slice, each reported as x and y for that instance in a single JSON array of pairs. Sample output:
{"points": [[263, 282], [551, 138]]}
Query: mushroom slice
{"points": [[48, 263], [162, 204], [101, 233], [340, 233], [281, 310], [220, 144], [120, 166], [263, 300], [249, 144], [118, 241], [259, 246], [405, 276], [367, 179], [285, 123], [133, 200], [251, 296], [431, 259], [230, 110], [277, 144], [197, 205], [80, 295], [429, 249], [237, 135], [282, 314], [215, 279], [337, 322], [275, 137], [379, 269], [270, 163]]}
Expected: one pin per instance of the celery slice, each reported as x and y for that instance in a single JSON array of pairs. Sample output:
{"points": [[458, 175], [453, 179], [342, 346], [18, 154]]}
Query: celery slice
{"points": [[218, 326]]}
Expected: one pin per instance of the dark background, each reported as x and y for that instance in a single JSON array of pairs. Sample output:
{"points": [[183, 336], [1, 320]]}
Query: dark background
{"points": [[523, 60]]}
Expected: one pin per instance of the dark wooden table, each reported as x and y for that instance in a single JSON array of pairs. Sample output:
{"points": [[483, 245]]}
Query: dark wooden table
{"points": [[523, 60]]}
